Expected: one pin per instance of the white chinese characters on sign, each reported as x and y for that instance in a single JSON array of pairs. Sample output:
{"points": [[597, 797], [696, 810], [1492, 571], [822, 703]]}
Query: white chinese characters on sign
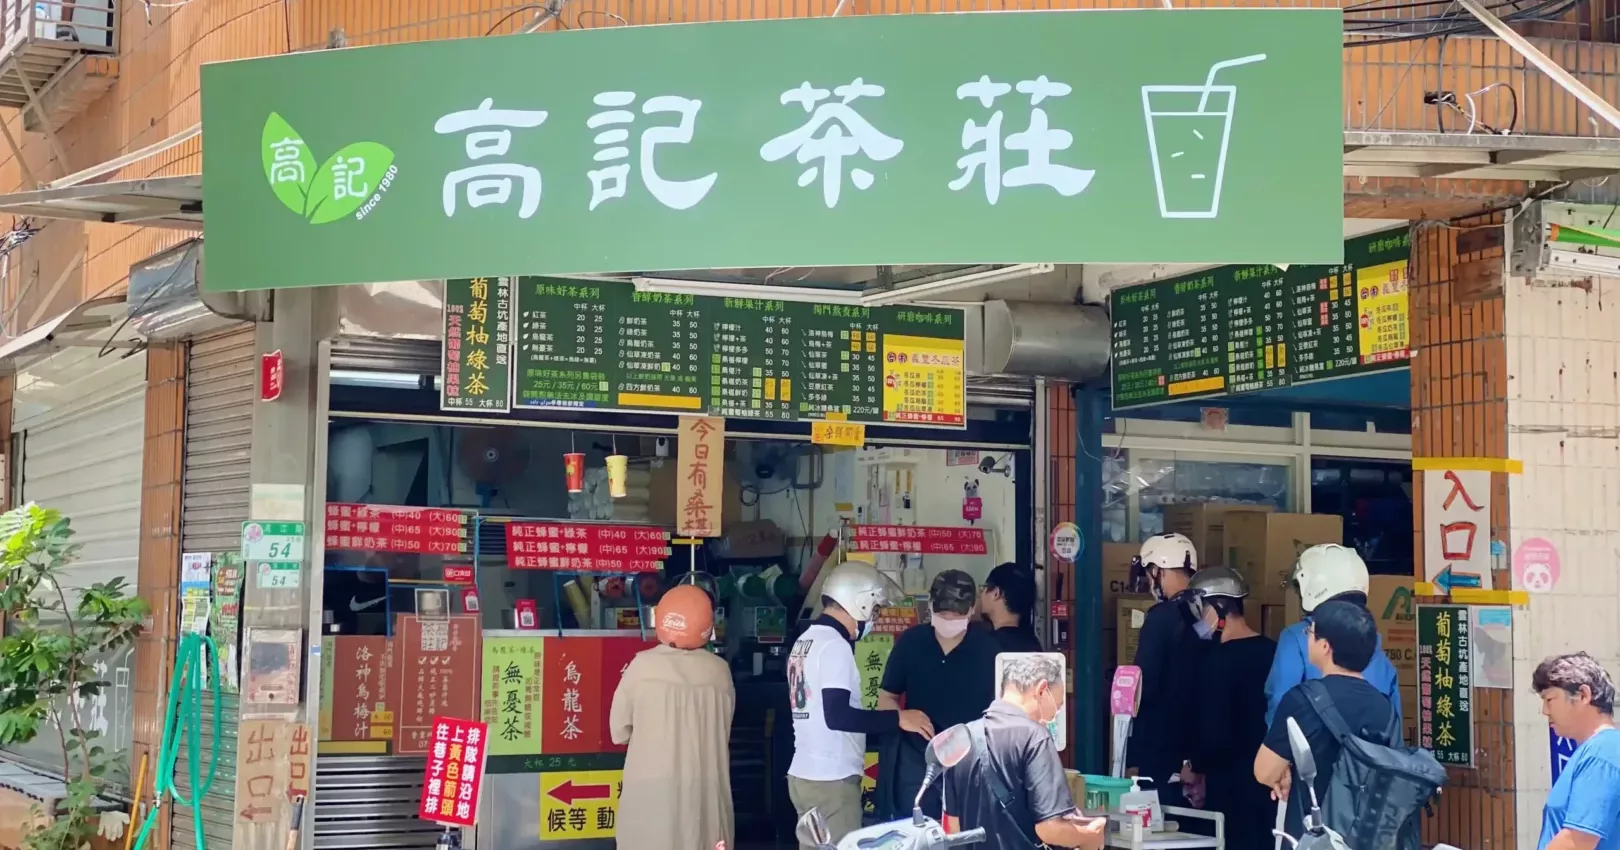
{"points": [[1038, 142], [492, 182], [843, 133], [287, 162], [1457, 528], [348, 175], [610, 181]]}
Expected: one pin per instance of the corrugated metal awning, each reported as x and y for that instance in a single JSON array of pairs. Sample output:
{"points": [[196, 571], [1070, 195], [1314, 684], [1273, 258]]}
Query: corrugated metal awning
{"points": [[172, 202], [90, 323]]}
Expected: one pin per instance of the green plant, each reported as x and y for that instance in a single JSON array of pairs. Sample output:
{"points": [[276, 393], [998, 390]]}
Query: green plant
{"points": [[53, 639]]}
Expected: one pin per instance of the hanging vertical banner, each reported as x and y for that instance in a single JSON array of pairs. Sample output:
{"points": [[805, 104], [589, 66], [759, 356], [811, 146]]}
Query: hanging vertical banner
{"points": [[701, 444], [513, 669], [477, 345], [1445, 689], [363, 705], [1457, 528], [454, 775], [871, 654]]}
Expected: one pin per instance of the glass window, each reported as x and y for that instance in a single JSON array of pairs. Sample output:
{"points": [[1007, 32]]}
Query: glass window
{"points": [[1163, 478], [1375, 499]]}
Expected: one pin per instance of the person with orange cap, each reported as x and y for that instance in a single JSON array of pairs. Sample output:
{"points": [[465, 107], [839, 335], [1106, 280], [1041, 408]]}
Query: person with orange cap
{"points": [[673, 708]]}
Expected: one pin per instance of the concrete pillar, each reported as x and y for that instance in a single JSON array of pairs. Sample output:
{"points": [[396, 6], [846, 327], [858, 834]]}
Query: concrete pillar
{"points": [[288, 449]]}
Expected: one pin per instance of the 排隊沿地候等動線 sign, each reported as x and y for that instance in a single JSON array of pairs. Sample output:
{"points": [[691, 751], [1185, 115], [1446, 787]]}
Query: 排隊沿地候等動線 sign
{"points": [[1087, 136]]}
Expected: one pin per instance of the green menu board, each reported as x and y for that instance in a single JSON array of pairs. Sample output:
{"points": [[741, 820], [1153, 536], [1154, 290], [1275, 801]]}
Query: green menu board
{"points": [[604, 345], [477, 345], [1238, 329]]}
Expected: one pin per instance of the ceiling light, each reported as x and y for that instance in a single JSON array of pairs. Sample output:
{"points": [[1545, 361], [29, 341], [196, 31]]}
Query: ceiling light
{"points": [[716, 289]]}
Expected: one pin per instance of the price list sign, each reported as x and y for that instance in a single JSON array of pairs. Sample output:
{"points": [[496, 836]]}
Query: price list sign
{"points": [[924, 539], [1239, 329], [477, 345], [571, 547], [607, 346], [388, 528], [1445, 689]]}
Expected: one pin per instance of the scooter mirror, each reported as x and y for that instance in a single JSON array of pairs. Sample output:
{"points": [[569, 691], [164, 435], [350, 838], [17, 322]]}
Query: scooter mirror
{"points": [[950, 746], [812, 830], [1304, 762]]}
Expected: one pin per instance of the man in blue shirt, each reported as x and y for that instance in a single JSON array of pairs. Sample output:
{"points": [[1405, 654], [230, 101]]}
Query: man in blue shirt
{"points": [[1583, 810], [1325, 572]]}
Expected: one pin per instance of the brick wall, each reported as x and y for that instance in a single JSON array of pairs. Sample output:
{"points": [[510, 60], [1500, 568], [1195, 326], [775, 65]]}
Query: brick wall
{"points": [[1459, 409], [1563, 418]]}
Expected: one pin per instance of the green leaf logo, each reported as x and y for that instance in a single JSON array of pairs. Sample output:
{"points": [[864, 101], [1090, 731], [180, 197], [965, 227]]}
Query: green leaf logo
{"points": [[335, 190], [288, 164]]}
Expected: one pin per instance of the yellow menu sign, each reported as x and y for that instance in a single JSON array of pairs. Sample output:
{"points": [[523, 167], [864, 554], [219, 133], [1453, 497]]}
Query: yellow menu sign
{"points": [[871, 655], [582, 804], [825, 433], [510, 702], [1384, 328], [924, 380]]}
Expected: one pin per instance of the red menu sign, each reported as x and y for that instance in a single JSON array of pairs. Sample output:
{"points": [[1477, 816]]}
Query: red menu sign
{"points": [[455, 772], [387, 528], [363, 709], [924, 539], [577, 547], [579, 677], [438, 661]]}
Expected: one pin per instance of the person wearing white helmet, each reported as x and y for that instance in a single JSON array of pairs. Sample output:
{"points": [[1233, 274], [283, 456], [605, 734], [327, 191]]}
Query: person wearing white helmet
{"points": [[824, 694], [1168, 652], [1325, 572]]}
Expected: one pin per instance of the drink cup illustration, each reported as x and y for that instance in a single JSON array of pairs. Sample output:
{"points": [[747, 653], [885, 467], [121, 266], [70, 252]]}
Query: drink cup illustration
{"points": [[1188, 127]]}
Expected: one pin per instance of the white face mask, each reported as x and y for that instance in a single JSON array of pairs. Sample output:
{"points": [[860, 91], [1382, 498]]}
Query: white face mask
{"points": [[950, 629]]}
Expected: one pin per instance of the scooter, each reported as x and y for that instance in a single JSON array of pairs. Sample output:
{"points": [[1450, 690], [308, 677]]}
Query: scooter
{"points": [[922, 832], [1317, 835]]}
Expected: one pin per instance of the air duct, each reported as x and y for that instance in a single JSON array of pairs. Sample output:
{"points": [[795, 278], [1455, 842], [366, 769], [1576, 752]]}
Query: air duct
{"points": [[1067, 342], [167, 300]]}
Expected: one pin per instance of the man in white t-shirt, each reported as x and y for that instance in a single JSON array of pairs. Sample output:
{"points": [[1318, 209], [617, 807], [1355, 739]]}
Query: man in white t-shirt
{"points": [[824, 693]]}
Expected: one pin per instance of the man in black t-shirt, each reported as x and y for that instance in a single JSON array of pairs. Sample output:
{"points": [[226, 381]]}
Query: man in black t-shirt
{"points": [[1020, 761], [1342, 639]]}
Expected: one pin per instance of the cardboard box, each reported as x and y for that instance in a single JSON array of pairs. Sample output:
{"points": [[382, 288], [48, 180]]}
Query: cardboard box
{"points": [[1273, 619], [1110, 648], [1391, 601], [1132, 610], [1116, 571], [1204, 523], [1265, 546]]}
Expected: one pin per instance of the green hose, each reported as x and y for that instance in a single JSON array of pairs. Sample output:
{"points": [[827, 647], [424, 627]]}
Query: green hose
{"points": [[195, 651]]}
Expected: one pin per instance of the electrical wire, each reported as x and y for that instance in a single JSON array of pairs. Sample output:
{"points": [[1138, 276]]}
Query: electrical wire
{"points": [[1441, 25]]}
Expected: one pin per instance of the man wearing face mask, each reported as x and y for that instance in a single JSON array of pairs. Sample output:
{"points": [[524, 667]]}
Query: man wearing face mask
{"points": [[1231, 718], [824, 696], [946, 670], [1168, 652]]}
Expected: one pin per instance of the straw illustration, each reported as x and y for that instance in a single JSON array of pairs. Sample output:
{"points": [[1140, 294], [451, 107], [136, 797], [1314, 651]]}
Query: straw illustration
{"points": [[1209, 81]]}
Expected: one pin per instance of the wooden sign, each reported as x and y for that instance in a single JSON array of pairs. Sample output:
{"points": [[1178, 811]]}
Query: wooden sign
{"points": [[698, 488]]}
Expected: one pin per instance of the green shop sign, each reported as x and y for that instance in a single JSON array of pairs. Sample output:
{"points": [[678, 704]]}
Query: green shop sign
{"points": [[1104, 136]]}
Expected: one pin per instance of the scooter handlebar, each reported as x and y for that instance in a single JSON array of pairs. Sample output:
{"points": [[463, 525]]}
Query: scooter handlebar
{"points": [[972, 836]]}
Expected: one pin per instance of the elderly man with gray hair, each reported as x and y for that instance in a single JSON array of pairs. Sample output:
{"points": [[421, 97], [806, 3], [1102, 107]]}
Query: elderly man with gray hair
{"points": [[1013, 783], [1583, 809]]}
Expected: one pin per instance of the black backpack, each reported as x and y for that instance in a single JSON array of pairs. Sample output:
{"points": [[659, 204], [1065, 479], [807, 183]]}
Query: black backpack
{"points": [[1375, 792]]}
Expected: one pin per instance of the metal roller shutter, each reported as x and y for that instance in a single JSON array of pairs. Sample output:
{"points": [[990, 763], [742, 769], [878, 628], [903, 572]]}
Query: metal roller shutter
{"points": [[80, 434], [219, 441], [367, 802], [214, 504]]}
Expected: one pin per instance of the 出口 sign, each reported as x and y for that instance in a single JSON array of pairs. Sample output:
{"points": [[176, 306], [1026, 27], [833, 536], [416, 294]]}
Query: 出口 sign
{"points": [[862, 140], [701, 447], [1457, 528]]}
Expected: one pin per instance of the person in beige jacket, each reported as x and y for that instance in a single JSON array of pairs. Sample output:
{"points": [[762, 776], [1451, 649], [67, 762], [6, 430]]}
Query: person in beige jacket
{"points": [[673, 707]]}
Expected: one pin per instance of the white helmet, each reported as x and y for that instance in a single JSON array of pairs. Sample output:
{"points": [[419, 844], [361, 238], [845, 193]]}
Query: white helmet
{"points": [[1169, 552], [1327, 570], [858, 588]]}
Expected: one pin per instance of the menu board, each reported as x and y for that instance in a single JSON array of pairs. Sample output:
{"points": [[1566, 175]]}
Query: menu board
{"points": [[1238, 329], [438, 660], [924, 539], [577, 547], [607, 346], [388, 528]]}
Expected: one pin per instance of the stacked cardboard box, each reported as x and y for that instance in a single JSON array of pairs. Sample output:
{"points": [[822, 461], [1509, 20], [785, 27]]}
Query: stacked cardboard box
{"points": [[1265, 546], [1204, 523], [1131, 613]]}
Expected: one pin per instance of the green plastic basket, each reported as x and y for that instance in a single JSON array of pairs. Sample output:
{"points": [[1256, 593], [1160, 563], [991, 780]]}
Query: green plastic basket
{"points": [[1103, 792]]}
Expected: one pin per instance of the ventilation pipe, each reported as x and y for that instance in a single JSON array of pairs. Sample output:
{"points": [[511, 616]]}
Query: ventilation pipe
{"points": [[1067, 342]]}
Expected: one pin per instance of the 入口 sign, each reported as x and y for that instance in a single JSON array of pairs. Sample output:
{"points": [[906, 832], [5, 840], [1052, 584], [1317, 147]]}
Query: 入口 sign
{"points": [[849, 131], [1457, 528]]}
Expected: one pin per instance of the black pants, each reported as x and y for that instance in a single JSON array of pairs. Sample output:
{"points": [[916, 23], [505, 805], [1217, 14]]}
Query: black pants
{"points": [[1248, 807], [901, 767]]}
